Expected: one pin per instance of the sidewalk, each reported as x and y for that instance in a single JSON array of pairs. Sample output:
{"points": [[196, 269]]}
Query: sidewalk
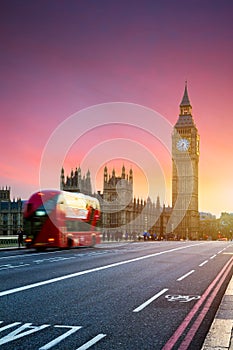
{"points": [[220, 335]]}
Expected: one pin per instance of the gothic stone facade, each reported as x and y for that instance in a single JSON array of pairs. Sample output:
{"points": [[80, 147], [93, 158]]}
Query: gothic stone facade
{"points": [[76, 182], [11, 216], [124, 213]]}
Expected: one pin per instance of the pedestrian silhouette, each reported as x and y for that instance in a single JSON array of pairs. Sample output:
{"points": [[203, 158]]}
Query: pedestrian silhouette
{"points": [[20, 236]]}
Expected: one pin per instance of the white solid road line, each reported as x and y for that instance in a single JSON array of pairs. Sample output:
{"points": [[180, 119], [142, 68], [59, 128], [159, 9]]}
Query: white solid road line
{"points": [[186, 275], [31, 254], [85, 272], [142, 306]]}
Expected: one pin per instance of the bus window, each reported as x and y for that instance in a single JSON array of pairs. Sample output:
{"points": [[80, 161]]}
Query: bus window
{"points": [[83, 226], [77, 226]]}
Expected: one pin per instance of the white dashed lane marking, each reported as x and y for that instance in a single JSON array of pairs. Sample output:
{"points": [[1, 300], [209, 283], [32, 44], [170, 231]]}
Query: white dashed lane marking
{"points": [[203, 263], [156, 296], [186, 275]]}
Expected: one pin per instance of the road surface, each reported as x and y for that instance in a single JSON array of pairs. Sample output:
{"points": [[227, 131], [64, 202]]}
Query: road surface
{"points": [[142, 295]]}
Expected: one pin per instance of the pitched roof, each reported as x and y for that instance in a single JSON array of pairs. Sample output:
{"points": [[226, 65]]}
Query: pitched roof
{"points": [[185, 121], [185, 100]]}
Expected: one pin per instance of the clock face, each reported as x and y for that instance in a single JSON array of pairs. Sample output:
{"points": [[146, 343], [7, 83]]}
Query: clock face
{"points": [[182, 144]]}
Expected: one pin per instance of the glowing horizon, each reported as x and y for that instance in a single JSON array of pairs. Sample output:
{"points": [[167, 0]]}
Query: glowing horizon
{"points": [[61, 60]]}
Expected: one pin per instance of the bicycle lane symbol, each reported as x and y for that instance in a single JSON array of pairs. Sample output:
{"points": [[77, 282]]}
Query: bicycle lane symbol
{"points": [[182, 298]]}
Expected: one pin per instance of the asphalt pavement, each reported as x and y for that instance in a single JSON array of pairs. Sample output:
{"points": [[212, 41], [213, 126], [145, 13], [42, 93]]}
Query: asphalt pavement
{"points": [[220, 335]]}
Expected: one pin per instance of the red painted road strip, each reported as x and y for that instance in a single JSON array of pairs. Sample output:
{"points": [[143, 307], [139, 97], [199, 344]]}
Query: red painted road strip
{"points": [[180, 330], [190, 335]]}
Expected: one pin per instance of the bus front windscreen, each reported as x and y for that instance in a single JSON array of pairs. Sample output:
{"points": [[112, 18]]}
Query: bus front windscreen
{"points": [[34, 224]]}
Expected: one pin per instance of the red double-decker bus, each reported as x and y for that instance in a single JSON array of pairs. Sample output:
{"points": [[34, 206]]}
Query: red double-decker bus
{"points": [[61, 219]]}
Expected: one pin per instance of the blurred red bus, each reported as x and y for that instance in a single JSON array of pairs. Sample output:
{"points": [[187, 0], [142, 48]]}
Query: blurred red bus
{"points": [[61, 219]]}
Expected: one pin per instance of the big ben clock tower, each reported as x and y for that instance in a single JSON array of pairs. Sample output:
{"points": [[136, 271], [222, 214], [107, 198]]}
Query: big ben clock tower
{"points": [[184, 222]]}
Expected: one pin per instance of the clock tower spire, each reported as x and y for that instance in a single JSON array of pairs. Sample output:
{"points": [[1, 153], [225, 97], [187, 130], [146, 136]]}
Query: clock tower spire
{"points": [[185, 157], [185, 105]]}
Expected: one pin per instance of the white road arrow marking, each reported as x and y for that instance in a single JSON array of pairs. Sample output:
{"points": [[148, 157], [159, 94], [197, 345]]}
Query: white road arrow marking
{"points": [[61, 337], [91, 342], [18, 333]]}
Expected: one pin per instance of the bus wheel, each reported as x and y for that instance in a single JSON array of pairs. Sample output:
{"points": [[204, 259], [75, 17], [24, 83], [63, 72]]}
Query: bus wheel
{"points": [[69, 242], [40, 249], [93, 240]]}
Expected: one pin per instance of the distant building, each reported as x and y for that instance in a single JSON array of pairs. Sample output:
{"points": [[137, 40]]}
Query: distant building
{"points": [[117, 199], [11, 217], [206, 216], [76, 182], [122, 212]]}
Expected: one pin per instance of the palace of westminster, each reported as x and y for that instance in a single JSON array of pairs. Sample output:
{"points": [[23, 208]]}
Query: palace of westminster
{"points": [[121, 211]]}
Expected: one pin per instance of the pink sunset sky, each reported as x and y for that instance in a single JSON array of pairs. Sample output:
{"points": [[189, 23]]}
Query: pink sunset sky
{"points": [[60, 58]]}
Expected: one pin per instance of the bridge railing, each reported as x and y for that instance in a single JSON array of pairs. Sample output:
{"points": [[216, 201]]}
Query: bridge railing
{"points": [[8, 241]]}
